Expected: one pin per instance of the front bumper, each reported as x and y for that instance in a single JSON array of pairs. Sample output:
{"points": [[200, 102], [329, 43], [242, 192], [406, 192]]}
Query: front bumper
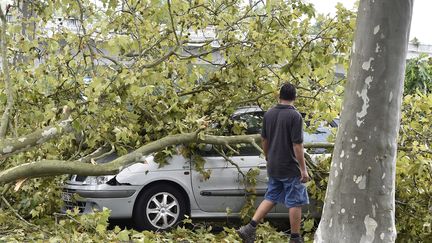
{"points": [[89, 198]]}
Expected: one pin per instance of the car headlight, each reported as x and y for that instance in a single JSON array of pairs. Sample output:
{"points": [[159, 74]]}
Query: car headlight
{"points": [[103, 179], [97, 180]]}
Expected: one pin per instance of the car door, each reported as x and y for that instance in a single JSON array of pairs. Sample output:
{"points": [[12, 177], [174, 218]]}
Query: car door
{"points": [[225, 190]]}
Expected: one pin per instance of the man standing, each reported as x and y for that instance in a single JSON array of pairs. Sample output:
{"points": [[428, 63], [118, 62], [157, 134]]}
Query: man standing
{"points": [[282, 142]]}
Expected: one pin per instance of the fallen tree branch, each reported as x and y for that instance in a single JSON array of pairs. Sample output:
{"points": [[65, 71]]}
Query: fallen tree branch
{"points": [[11, 146], [46, 168]]}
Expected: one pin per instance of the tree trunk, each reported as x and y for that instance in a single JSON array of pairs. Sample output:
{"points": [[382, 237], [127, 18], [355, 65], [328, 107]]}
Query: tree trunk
{"points": [[5, 74], [359, 204]]}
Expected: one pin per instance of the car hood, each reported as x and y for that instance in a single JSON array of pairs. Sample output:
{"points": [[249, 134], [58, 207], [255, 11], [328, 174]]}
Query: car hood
{"points": [[148, 165]]}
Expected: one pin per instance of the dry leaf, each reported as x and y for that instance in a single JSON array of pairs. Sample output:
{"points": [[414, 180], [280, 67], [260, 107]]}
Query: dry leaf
{"points": [[19, 183]]}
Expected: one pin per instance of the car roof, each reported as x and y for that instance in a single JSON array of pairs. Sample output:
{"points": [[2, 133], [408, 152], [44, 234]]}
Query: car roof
{"points": [[247, 109]]}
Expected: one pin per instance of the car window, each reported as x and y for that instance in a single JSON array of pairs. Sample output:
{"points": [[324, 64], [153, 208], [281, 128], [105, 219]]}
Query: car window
{"points": [[319, 136], [253, 121]]}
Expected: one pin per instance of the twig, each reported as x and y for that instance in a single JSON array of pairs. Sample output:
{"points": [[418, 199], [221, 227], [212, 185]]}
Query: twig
{"points": [[213, 50], [256, 146], [172, 22], [221, 153], [232, 149], [16, 213], [5, 189], [203, 88], [318, 36], [170, 108], [271, 70], [138, 35], [92, 55], [144, 52], [72, 218], [309, 161], [254, 99], [161, 59], [80, 145]]}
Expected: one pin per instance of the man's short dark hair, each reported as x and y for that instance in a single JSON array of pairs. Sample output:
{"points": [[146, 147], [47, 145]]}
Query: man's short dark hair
{"points": [[288, 92]]}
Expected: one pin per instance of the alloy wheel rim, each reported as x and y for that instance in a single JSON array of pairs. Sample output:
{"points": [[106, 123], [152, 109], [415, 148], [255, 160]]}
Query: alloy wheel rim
{"points": [[162, 210]]}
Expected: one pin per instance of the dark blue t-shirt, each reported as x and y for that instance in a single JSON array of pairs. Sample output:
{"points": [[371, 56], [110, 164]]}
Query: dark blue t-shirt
{"points": [[282, 126]]}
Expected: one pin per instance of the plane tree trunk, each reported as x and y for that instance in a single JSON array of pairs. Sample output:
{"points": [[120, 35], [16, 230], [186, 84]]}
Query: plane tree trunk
{"points": [[359, 204]]}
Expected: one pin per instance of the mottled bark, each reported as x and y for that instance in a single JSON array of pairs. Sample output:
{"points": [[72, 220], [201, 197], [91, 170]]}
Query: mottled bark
{"points": [[359, 204]]}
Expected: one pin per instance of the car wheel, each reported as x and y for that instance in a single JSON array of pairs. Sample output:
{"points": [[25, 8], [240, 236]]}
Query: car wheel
{"points": [[160, 207]]}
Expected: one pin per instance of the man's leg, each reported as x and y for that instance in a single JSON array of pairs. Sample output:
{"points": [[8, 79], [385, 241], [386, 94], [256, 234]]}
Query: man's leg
{"points": [[262, 210], [295, 219], [296, 195], [247, 232]]}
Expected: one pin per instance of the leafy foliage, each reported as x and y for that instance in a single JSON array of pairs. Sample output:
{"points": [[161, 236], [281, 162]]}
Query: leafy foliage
{"points": [[414, 170], [93, 228], [131, 76], [418, 75]]}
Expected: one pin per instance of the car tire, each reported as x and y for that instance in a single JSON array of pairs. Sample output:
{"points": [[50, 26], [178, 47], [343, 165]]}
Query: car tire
{"points": [[159, 208]]}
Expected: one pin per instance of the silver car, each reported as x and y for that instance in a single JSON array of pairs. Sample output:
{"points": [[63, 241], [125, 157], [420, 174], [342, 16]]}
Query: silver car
{"points": [[158, 198]]}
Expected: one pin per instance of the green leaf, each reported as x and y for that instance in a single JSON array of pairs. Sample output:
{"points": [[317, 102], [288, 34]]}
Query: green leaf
{"points": [[123, 236]]}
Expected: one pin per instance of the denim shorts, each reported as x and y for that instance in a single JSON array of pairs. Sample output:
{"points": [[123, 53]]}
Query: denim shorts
{"points": [[289, 191]]}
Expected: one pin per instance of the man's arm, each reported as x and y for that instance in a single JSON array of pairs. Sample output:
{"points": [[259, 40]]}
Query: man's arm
{"points": [[299, 154], [264, 144]]}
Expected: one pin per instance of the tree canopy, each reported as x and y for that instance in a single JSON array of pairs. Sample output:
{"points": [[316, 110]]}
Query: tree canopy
{"points": [[80, 80], [132, 72]]}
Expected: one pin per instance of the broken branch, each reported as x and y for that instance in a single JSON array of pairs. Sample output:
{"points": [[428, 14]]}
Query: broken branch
{"points": [[12, 146], [46, 168]]}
